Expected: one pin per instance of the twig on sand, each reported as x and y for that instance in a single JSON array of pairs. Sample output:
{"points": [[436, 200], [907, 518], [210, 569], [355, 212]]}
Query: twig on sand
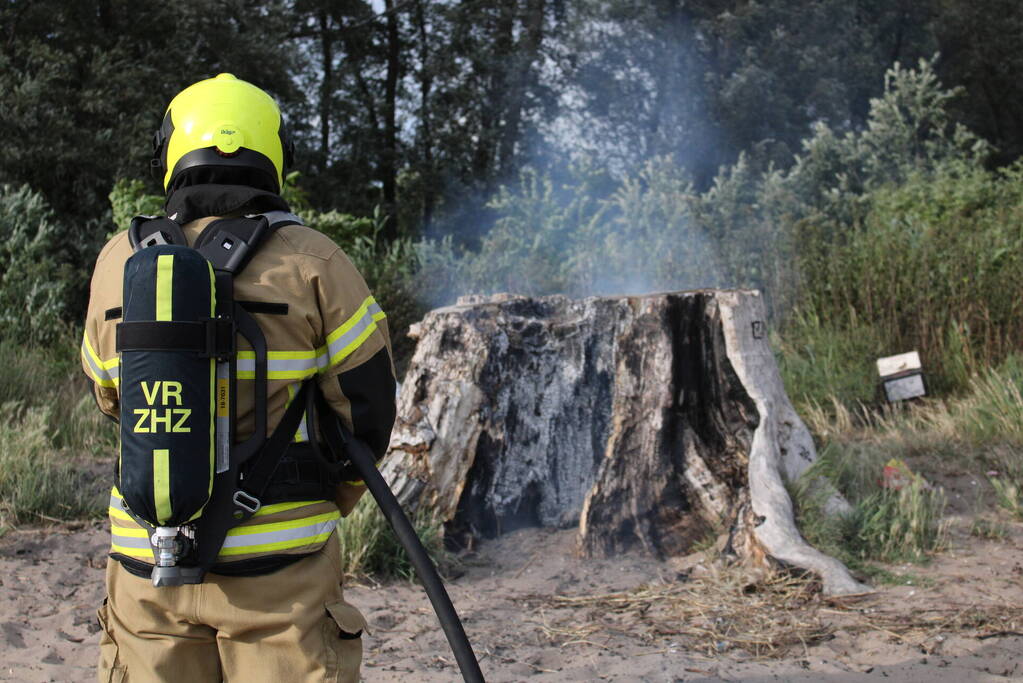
{"points": [[524, 567], [48, 518]]}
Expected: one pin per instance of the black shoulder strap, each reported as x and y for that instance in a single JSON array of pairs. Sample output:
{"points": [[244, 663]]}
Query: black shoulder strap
{"points": [[147, 231], [279, 219], [260, 469], [229, 243]]}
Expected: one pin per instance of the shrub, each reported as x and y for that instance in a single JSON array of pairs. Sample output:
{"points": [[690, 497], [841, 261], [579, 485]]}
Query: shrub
{"points": [[36, 279], [884, 524], [388, 268], [928, 269], [128, 199]]}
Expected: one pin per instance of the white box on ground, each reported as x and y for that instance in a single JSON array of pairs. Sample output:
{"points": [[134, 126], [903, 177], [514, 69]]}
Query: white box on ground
{"points": [[902, 376], [893, 365]]}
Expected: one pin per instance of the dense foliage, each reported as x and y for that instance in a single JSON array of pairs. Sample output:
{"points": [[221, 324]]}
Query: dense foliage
{"points": [[892, 237], [583, 147], [586, 146], [35, 273]]}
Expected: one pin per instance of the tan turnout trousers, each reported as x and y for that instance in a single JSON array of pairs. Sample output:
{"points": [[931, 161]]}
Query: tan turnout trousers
{"points": [[222, 629]]}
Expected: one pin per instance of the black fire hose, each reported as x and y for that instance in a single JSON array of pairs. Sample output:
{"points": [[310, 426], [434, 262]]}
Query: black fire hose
{"points": [[365, 463]]}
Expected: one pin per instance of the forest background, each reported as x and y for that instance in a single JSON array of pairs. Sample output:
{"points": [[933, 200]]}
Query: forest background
{"points": [[857, 160]]}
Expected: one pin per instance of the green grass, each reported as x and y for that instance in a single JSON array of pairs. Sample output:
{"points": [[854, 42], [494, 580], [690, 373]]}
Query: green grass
{"points": [[884, 525], [369, 547], [819, 361], [991, 530], [979, 430], [39, 481], [1008, 495], [885, 577], [52, 438]]}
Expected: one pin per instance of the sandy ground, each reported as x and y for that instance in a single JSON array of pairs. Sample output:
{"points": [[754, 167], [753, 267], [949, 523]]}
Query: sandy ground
{"points": [[51, 584]]}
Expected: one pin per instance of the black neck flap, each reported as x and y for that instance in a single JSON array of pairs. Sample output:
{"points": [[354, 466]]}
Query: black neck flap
{"points": [[196, 201]]}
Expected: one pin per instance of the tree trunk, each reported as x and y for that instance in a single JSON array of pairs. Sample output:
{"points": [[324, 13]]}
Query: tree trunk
{"points": [[521, 79], [425, 126], [647, 422], [326, 87], [388, 162]]}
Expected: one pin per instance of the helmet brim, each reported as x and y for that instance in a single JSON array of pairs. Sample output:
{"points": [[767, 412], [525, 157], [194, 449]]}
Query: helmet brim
{"points": [[207, 165]]}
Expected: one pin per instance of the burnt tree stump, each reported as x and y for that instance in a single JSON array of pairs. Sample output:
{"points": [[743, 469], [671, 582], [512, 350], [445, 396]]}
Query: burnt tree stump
{"points": [[647, 422]]}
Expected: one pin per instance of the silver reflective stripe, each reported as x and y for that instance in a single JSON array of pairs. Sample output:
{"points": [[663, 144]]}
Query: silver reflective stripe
{"points": [[130, 541], [349, 337], [115, 503], [310, 532], [280, 364], [223, 424], [102, 373]]}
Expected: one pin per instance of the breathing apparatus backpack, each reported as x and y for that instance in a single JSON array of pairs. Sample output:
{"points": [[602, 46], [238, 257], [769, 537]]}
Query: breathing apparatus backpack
{"points": [[181, 474]]}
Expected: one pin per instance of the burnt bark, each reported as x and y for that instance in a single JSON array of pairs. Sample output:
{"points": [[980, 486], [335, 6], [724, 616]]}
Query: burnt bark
{"points": [[676, 458], [646, 422]]}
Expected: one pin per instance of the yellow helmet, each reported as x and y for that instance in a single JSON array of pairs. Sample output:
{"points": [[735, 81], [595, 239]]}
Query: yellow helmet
{"points": [[222, 123]]}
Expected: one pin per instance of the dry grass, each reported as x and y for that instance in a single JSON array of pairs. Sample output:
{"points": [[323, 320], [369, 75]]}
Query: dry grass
{"points": [[725, 613], [710, 615]]}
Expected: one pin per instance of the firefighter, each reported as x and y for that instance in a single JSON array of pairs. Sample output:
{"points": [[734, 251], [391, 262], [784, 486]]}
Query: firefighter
{"points": [[271, 608]]}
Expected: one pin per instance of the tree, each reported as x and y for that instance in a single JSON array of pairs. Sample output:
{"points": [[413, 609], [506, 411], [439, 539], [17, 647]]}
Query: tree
{"points": [[704, 81], [85, 84], [979, 44]]}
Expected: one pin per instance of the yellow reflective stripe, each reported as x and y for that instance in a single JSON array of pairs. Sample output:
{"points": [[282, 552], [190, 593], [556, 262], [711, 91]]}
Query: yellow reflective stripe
{"points": [[133, 532], [264, 511], [92, 352], [284, 507], [350, 348], [164, 285], [213, 290], [119, 514], [139, 553], [280, 355], [302, 433], [343, 341], [281, 364], [360, 312], [282, 526], [279, 374], [161, 483], [280, 545], [99, 369]]}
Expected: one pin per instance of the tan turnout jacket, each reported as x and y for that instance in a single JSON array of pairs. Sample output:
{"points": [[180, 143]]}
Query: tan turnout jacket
{"points": [[332, 326]]}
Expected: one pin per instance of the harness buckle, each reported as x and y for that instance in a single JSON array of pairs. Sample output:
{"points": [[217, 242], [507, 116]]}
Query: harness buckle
{"points": [[250, 503], [220, 339]]}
